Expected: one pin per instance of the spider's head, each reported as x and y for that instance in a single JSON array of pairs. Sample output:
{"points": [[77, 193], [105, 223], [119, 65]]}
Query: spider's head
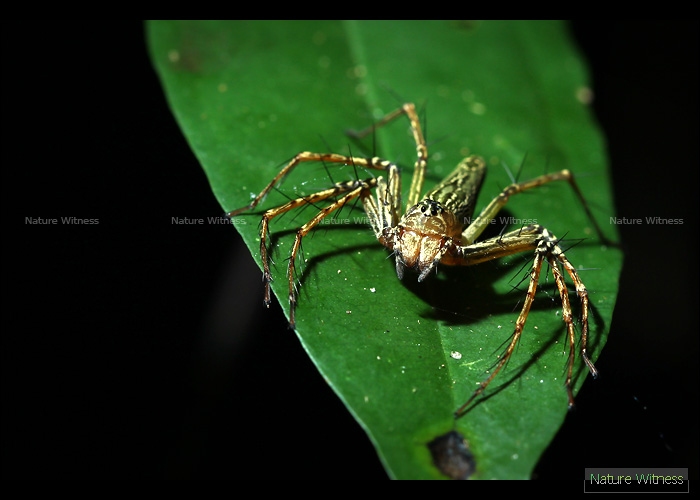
{"points": [[424, 234]]}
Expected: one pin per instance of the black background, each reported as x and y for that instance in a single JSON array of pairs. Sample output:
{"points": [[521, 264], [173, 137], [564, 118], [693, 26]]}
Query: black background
{"points": [[139, 349]]}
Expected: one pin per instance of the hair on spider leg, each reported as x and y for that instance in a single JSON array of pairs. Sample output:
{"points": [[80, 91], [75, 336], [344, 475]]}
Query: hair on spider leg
{"points": [[356, 178], [328, 172], [544, 289], [298, 270], [524, 276], [273, 237], [514, 178], [393, 93], [307, 201], [575, 242], [459, 312], [548, 292], [524, 363], [298, 211], [350, 156], [358, 135]]}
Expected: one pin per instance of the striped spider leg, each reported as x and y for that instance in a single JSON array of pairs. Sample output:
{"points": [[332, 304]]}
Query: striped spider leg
{"points": [[340, 194], [438, 228]]}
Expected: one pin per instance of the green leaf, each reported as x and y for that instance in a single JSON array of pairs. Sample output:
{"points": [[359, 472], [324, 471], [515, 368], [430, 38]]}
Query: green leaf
{"points": [[404, 356]]}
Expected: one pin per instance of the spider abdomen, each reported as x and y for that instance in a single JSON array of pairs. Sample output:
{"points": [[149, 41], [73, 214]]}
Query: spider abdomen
{"points": [[458, 191]]}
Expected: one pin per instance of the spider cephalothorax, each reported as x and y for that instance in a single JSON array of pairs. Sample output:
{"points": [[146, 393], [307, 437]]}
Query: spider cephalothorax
{"points": [[437, 228]]}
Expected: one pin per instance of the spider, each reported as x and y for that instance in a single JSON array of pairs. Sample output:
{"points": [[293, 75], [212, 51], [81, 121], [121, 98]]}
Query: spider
{"points": [[436, 228]]}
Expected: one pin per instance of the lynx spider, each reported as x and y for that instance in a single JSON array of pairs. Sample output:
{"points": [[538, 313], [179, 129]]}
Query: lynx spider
{"points": [[437, 228]]}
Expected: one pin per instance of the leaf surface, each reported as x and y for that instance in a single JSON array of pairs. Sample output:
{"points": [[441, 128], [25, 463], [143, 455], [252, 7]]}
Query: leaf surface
{"points": [[404, 356]]}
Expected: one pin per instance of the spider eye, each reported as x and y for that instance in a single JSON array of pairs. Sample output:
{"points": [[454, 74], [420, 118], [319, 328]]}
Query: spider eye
{"points": [[430, 208], [435, 208]]}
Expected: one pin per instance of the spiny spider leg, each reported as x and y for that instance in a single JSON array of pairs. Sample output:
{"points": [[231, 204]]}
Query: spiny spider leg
{"points": [[546, 248], [338, 189], [349, 190], [452, 200], [477, 226], [358, 188], [409, 109], [374, 163]]}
